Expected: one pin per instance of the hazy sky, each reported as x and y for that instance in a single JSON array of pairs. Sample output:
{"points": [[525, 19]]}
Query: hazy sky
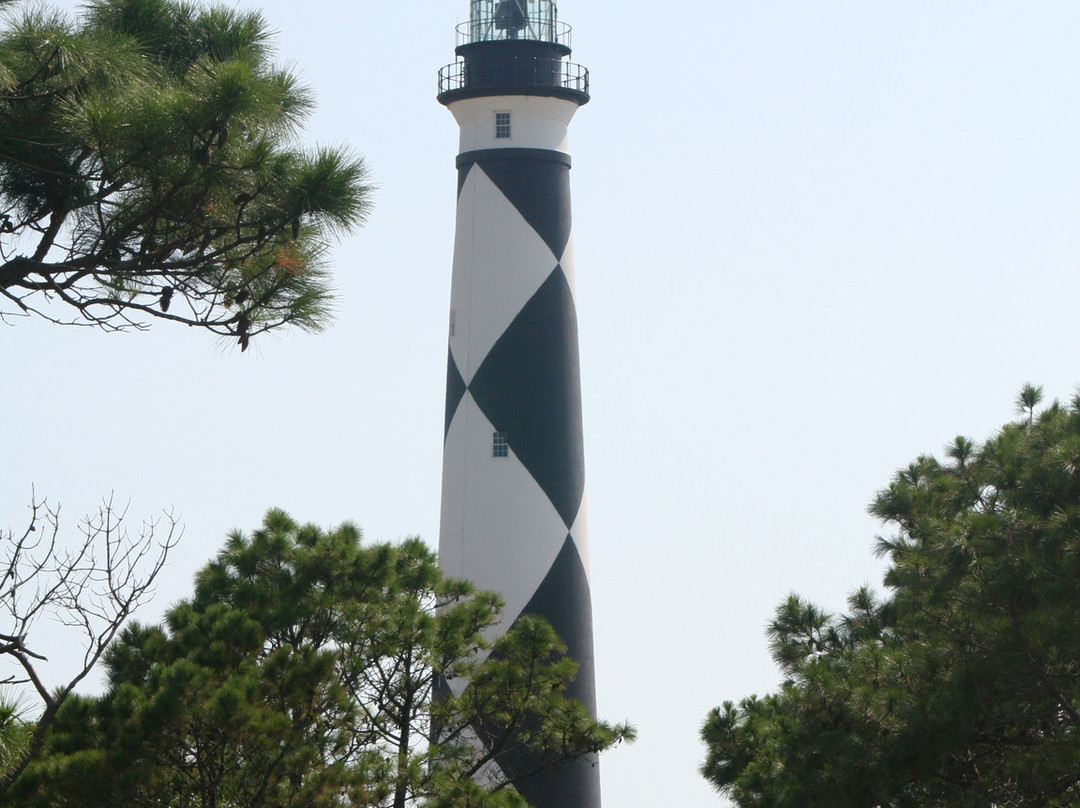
{"points": [[813, 240]]}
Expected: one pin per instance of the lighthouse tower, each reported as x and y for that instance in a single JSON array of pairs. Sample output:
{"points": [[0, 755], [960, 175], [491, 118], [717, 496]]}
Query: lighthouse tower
{"points": [[513, 486]]}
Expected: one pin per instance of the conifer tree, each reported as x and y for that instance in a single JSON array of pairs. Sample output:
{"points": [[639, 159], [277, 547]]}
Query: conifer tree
{"points": [[149, 169], [961, 687], [14, 735], [304, 670]]}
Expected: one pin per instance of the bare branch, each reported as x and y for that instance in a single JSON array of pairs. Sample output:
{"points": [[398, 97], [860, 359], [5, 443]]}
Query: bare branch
{"points": [[90, 587]]}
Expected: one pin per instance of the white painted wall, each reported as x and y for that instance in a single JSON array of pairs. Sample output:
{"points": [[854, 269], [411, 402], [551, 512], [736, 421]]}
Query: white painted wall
{"points": [[498, 528], [537, 122], [499, 263]]}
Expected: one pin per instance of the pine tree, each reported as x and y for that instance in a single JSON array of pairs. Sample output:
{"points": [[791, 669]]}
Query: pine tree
{"points": [[962, 687], [305, 670], [148, 170]]}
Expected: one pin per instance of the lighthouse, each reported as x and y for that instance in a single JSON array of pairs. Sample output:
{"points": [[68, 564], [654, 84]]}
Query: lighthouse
{"points": [[513, 485]]}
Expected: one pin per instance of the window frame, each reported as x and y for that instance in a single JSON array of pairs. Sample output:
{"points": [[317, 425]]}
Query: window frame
{"points": [[503, 125]]}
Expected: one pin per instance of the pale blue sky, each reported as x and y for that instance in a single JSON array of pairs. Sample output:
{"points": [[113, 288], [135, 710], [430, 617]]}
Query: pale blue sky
{"points": [[813, 240]]}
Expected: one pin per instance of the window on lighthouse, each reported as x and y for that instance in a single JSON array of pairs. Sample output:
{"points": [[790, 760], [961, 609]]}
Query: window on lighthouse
{"points": [[502, 125], [500, 447]]}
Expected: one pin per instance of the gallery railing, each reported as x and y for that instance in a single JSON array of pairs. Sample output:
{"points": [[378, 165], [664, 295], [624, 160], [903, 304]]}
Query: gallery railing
{"points": [[520, 73], [534, 27]]}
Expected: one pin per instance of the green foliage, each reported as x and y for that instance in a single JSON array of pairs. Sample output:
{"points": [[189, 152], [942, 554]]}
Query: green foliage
{"points": [[148, 168], [303, 672], [14, 735], [963, 687]]}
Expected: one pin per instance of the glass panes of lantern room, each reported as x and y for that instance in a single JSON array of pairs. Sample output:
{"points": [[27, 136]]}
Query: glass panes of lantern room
{"points": [[513, 19]]}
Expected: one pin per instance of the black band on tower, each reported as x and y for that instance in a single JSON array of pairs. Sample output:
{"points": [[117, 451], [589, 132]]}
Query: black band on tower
{"points": [[550, 155]]}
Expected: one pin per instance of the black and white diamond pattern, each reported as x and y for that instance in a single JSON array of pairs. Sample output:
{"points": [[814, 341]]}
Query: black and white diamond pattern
{"points": [[516, 524], [529, 385]]}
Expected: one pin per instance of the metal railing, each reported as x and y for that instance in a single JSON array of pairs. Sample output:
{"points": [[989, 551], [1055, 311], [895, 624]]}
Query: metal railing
{"points": [[534, 27], [524, 74]]}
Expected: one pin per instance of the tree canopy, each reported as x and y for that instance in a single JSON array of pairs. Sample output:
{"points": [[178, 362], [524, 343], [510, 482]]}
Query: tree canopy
{"points": [[150, 169], [305, 670], [961, 687]]}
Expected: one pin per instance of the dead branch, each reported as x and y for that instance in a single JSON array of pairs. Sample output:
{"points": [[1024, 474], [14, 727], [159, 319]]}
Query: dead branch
{"points": [[89, 588]]}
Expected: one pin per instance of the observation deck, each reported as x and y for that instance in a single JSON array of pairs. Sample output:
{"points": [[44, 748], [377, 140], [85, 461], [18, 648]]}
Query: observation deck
{"points": [[513, 47]]}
